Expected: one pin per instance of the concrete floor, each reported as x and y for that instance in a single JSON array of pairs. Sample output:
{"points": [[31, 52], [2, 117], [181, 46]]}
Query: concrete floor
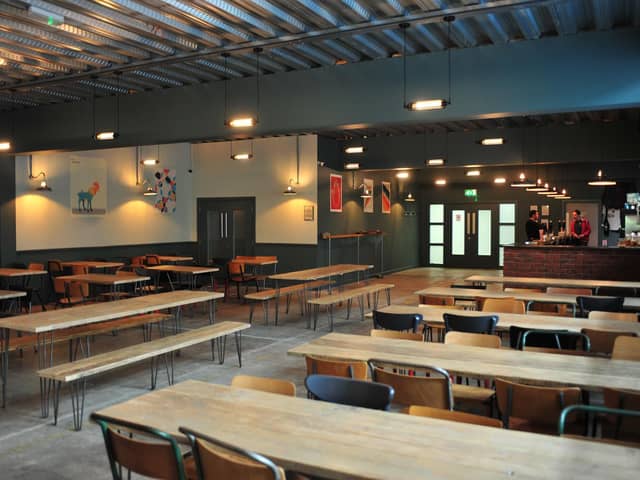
{"points": [[33, 448]]}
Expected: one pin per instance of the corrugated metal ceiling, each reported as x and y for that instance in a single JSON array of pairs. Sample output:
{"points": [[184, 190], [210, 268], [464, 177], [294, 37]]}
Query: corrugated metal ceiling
{"points": [[65, 50]]}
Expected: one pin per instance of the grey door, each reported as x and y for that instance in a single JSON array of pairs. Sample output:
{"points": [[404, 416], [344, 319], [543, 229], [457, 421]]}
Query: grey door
{"points": [[471, 235]]}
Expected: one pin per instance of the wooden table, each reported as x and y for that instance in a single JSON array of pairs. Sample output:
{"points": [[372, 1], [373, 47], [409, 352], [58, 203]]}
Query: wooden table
{"points": [[45, 324], [588, 373], [92, 264], [106, 279], [630, 303], [341, 442], [553, 282], [312, 274], [259, 260], [433, 316], [13, 296], [189, 271], [20, 272], [174, 258]]}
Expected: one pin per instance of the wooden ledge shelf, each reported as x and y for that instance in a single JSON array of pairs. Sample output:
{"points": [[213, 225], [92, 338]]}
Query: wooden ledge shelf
{"points": [[330, 236]]}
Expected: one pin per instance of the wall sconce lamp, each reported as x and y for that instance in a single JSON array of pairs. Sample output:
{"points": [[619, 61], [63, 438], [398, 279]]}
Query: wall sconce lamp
{"points": [[150, 190], [291, 190], [44, 187]]}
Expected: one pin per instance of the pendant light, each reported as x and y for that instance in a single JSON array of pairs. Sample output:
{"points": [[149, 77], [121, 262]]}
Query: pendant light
{"points": [[244, 121], [109, 134], [601, 180], [540, 185], [523, 181], [5, 140], [242, 155], [426, 104], [291, 190]]}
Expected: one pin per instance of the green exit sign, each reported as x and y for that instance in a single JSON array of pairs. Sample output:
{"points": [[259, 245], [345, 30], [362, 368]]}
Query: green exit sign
{"points": [[471, 192]]}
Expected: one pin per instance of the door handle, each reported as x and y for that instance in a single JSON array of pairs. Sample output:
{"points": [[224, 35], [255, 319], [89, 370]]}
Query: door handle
{"points": [[226, 224], [221, 224], [468, 223], [473, 223]]}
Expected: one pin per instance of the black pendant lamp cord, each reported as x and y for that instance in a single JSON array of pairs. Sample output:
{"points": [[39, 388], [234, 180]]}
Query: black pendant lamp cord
{"points": [[118, 103], [93, 110], [226, 87], [449, 58], [404, 64], [257, 50]]}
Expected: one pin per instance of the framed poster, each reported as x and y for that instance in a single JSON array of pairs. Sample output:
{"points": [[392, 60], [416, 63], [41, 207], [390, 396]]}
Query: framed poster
{"points": [[308, 213], [88, 181], [386, 197], [335, 193], [367, 203], [165, 185]]}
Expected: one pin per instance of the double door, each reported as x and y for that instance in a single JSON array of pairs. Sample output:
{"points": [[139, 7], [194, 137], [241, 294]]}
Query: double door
{"points": [[471, 235], [226, 228]]}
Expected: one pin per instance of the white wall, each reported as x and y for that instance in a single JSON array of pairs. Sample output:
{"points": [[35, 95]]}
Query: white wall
{"points": [[279, 219], [44, 219]]}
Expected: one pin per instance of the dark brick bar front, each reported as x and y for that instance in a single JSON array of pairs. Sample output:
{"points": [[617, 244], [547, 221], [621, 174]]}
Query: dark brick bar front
{"points": [[572, 262]]}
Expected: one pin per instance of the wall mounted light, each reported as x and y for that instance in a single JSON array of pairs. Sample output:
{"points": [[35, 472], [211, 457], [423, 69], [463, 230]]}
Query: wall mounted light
{"points": [[290, 190], [402, 175], [149, 191], [44, 186], [409, 198]]}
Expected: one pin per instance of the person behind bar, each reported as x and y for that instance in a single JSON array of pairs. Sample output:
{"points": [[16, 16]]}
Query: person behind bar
{"points": [[579, 229], [533, 228]]}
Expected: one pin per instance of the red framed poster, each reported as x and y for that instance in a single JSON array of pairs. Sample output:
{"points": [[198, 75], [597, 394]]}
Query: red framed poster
{"points": [[335, 193], [386, 197]]}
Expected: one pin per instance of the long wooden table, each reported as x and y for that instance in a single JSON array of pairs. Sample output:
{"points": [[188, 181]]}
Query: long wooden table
{"points": [[433, 316], [20, 272], [553, 282], [174, 258], [589, 373], [92, 264], [342, 442], [189, 271], [319, 273], [45, 324], [630, 303], [106, 279]]}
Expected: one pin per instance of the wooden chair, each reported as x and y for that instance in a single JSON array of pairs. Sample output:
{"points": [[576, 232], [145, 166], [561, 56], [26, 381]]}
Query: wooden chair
{"points": [[469, 393], [271, 385], [71, 293], [236, 275], [141, 449], [348, 391], [621, 427], [562, 309], [336, 368], [215, 459], [534, 409], [503, 305], [602, 340], [439, 301], [620, 316], [397, 335], [433, 390], [454, 416], [138, 260], [152, 260], [432, 300], [626, 348]]}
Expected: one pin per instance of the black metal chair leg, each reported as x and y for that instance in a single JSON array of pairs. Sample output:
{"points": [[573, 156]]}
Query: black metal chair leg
{"points": [[239, 347]]}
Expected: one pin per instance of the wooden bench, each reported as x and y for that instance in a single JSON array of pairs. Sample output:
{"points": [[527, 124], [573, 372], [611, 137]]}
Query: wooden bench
{"points": [[265, 295], [76, 373], [347, 296], [78, 333]]}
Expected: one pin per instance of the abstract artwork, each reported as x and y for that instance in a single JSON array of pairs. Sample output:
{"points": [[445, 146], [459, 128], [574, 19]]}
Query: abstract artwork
{"points": [[165, 185], [367, 203], [386, 197], [88, 186], [335, 193]]}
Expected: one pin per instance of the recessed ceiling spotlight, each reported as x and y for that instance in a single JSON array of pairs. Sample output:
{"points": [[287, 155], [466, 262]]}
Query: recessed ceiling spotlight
{"points": [[499, 180], [472, 173], [441, 181]]}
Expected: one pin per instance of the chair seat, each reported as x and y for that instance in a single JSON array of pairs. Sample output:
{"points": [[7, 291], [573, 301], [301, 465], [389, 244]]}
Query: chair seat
{"points": [[471, 393]]}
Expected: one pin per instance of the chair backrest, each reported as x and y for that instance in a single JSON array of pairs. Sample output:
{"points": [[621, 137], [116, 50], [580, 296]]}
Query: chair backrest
{"points": [[463, 417], [626, 348], [624, 427], [138, 260], [472, 339], [336, 368], [70, 289], [617, 417], [235, 268], [400, 322], [538, 405], [419, 337], [522, 290], [220, 460], [503, 305], [348, 391], [433, 300], [554, 340], [152, 260], [602, 340], [602, 304], [470, 324], [412, 388], [272, 385], [620, 316], [155, 454], [54, 267], [36, 266]]}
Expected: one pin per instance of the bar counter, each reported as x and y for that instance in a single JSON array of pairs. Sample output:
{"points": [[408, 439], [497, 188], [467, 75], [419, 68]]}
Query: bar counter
{"points": [[567, 261]]}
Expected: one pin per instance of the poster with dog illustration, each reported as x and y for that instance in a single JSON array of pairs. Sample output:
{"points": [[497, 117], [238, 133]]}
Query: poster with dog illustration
{"points": [[88, 186]]}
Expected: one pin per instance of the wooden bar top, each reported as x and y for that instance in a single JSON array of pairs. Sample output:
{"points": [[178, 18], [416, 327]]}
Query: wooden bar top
{"points": [[552, 282], [433, 316], [319, 273], [589, 373], [192, 269], [104, 278], [59, 319], [342, 442], [20, 272]]}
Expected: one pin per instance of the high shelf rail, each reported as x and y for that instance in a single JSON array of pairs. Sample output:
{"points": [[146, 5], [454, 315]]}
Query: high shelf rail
{"points": [[357, 235]]}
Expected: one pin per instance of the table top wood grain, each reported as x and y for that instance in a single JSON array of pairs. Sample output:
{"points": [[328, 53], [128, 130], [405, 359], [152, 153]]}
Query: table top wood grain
{"points": [[630, 303], [319, 273], [92, 264], [552, 282], [433, 316], [104, 278], [590, 373], [59, 319], [20, 272], [9, 294], [190, 269], [174, 258], [342, 442]]}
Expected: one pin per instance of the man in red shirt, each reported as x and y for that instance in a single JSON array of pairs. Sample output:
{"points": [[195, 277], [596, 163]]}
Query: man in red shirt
{"points": [[579, 229]]}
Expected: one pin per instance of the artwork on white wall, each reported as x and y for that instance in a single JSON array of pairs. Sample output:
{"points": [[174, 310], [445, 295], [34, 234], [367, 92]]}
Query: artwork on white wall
{"points": [[165, 185], [88, 186], [367, 203]]}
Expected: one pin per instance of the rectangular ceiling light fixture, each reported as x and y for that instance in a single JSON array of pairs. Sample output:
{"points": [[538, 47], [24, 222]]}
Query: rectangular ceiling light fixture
{"points": [[354, 149], [241, 156], [351, 166], [492, 141], [103, 136], [436, 104], [242, 122], [5, 145], [402, 175], [472, 173], [499, 180], [435, 161], [441, 181]]}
